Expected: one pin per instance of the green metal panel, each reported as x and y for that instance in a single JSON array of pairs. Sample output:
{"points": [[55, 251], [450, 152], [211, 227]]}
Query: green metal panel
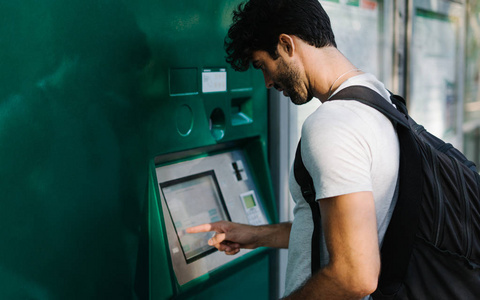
{"points": [[184, 42], [187, 118], [90, 92], [245, 280], [74, 153]]}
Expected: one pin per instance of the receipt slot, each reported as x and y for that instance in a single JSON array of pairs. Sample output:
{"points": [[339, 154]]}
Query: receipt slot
{"points": [[208, 148]]}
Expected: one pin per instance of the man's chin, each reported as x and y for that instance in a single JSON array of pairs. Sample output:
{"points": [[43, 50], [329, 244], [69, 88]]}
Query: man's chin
{"points": [[297, 100]]}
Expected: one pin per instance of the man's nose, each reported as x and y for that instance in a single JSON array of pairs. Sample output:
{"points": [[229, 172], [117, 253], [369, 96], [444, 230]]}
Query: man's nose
{"points": [[269, 83]]}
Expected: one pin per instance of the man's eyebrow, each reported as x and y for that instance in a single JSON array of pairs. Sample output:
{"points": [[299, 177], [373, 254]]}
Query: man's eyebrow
{"points": [[256, 64]]}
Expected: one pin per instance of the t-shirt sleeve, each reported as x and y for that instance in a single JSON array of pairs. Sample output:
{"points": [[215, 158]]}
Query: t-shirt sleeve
{"points": [[336, 151]]}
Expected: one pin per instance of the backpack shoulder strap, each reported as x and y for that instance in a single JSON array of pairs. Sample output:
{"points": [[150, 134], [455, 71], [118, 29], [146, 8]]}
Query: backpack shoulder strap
{"points": [[304, 180], [399, 238], [371, 98]]}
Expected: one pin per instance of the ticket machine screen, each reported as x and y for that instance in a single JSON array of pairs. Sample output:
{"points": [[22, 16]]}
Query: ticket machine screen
{"points": [[191, 201]]}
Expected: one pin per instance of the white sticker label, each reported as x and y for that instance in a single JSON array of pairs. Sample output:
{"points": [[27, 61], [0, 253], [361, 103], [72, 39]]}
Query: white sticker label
{"points": [[214, 81]]}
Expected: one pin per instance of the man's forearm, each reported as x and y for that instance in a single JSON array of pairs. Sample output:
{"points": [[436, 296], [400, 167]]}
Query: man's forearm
{"points": [[328, 284], [275, 235], [320, 286]]}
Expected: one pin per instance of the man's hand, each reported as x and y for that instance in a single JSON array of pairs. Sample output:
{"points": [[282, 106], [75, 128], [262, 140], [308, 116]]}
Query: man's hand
{"points": [[231, 237]]}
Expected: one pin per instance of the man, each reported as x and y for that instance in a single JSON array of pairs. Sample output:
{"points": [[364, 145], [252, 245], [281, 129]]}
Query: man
{"points": [[350, 150]]}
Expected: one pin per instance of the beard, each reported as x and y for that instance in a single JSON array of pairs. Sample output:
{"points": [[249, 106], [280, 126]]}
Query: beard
{"points": [[290, 81]]}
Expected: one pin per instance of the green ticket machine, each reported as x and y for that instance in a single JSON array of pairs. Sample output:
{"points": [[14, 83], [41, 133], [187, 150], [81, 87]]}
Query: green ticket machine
{"points": [[210, 160]]}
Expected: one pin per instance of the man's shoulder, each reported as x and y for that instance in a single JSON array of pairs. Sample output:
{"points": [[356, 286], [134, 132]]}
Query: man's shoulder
{"points": [[338, 114]]}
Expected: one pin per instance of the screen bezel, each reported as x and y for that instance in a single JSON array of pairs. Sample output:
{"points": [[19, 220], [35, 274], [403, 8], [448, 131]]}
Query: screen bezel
{"points": [[211, 174]]}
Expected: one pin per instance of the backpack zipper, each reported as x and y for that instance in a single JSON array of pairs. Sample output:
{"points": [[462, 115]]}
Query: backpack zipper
{"points": [[438, 192], [466, 207]]}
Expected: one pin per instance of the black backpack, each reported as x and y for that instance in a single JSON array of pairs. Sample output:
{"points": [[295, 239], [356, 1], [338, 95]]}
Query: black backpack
{"points": [[431, 249]]}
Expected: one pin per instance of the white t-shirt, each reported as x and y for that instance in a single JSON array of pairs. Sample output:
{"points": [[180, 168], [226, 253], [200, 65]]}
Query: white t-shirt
{"points": [[347, 147]]}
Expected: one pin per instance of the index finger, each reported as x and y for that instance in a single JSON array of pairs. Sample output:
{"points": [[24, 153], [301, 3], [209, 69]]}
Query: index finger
{"points": [[200, 228]]}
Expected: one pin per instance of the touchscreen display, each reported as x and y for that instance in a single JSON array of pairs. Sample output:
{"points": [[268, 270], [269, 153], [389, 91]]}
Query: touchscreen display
{"points": [[191, 201]]}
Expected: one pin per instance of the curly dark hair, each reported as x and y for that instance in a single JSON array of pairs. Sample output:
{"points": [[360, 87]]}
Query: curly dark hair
{"points": [[257, 24]]}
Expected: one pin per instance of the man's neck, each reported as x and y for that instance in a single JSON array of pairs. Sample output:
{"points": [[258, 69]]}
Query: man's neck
{"points": [[326, 69]]}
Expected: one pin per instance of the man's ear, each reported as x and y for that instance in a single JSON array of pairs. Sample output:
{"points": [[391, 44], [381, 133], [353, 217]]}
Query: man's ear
{"points": [[286, 44]]}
